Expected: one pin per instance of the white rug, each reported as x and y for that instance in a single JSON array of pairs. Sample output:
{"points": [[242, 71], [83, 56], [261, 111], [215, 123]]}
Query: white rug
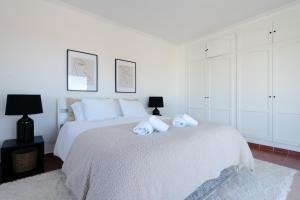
{"points": [[268, 182]]}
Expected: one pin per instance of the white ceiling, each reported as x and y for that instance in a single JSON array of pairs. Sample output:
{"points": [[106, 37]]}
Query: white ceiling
{"points": [[177, 21]]}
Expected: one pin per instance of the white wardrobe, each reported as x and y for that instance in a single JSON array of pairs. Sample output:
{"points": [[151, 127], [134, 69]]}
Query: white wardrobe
{"points": [[211, 80], [250, 79]]}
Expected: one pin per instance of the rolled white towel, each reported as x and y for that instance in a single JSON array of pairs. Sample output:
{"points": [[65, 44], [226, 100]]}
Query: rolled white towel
{"points": [[143, 128], [179, 122], [158, 124], [189, 120]]}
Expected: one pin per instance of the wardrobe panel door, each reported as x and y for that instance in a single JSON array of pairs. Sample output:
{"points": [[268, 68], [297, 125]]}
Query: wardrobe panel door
{"points": [[254, 35], [287, 93], [287, 25], [220, 90], [196, 51], [254, 116], [220, 46], [197, 89]]}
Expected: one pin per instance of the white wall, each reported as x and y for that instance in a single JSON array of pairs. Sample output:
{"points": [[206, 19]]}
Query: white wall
{"points": [[34, 36]]}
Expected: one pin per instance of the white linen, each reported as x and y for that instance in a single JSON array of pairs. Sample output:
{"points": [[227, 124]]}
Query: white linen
{"points": [[112, 163], [77, 109], [72, 129], [143, 128], [99, 109], [158, 124], [132, 108], [189, 120], [179, 122]]}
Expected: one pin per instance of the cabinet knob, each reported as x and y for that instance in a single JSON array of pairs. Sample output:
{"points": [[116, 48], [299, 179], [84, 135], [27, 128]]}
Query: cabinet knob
{"points": [[274, 96], [270, 97]]}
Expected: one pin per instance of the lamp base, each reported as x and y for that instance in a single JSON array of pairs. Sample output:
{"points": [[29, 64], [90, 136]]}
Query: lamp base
{"points": [[156, 112], [25, 130]]}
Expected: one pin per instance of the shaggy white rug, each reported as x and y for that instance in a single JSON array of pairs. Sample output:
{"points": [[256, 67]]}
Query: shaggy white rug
{"points": [[267, 182]]}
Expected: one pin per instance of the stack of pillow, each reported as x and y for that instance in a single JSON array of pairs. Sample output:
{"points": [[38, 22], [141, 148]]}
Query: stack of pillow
{"points": [[104, 109]]}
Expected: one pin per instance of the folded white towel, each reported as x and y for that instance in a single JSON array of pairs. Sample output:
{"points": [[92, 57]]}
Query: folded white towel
{"points": [[179, 121], [189, 120], [143, 128], [158, 124]]}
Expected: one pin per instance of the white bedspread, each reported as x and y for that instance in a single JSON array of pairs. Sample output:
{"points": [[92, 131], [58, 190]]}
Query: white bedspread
{"points": [[113, 163]]}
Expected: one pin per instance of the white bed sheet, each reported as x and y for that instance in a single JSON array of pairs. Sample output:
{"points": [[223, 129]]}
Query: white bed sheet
{"points": [[72, 129]]}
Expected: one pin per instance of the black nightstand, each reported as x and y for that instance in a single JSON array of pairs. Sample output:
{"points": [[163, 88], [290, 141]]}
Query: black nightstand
{"points": [[20, 160]]}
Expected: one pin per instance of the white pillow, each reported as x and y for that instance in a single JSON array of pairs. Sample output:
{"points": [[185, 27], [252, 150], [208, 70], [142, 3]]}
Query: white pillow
{"points": [[99, 109], [78, 111], [132, 108]]}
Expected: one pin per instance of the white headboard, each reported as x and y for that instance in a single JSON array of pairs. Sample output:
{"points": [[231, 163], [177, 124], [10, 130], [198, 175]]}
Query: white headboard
{"points": [[64, 113]]}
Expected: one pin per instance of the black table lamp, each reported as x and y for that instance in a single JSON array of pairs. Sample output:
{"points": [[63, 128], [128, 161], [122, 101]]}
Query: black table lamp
{"points": [[156, 102], [23, 104]]}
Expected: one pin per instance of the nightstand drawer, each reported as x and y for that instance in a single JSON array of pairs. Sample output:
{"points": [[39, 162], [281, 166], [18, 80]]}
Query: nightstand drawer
{"points": [[24, 160]]}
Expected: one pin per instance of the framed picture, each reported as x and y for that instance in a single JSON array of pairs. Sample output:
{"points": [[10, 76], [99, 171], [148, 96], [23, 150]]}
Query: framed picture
{"points": [[82, 71], [125, 76]]}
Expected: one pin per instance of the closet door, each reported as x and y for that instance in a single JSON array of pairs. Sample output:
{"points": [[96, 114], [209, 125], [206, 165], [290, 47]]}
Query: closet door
{"points": [[220, 46], [220, 90], [254, 80], [287, 77], [255, 35], [287, 92], [197, 89], [287, 25], [254, 116]]}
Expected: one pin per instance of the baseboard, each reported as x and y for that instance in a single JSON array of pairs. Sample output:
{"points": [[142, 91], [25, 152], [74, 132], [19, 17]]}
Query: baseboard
{"points": [[273, 144], [261, 147]]}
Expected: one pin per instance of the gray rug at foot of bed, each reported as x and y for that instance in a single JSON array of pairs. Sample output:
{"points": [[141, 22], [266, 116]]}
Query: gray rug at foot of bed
{"points": [[267, 182]]}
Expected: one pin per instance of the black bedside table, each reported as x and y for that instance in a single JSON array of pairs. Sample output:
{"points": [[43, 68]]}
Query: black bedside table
{"points": [[20, 160]]}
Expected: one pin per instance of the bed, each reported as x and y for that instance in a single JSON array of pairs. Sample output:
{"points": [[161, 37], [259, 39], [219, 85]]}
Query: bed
{"points": [[105, 160]]}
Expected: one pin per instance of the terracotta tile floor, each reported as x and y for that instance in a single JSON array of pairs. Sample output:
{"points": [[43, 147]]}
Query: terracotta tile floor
{"points": [[280, 158], [52, 162]]}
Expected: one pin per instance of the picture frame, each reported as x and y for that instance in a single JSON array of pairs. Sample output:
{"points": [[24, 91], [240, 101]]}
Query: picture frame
{"points": [[125, 76], [82, 71]]}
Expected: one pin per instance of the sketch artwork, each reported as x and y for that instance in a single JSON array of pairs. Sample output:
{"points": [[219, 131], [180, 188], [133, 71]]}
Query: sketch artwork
{"points": [[82, 71], [125, 74]]}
